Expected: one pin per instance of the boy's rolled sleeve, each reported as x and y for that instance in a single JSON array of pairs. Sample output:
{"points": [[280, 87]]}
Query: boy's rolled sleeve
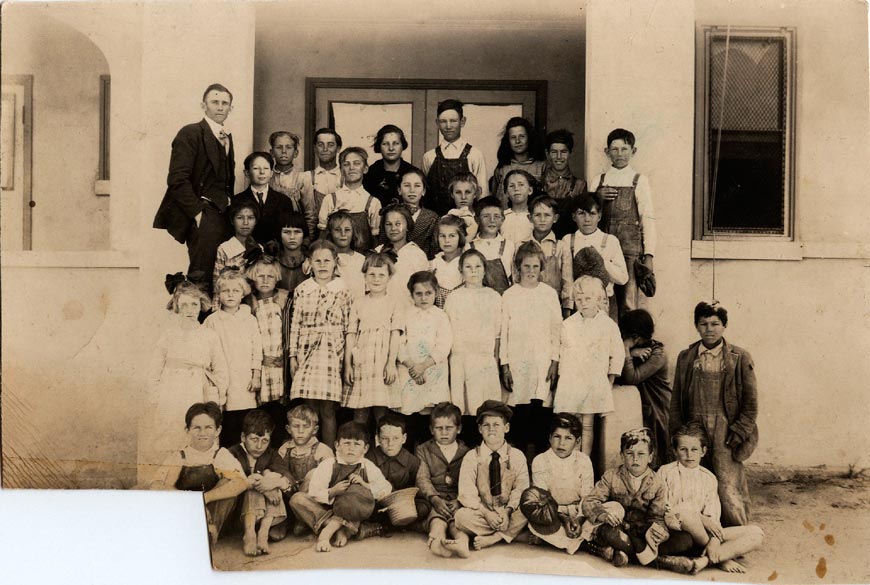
{"points": [[468, 495], [593, 504], [318, 488], [379, 485]]}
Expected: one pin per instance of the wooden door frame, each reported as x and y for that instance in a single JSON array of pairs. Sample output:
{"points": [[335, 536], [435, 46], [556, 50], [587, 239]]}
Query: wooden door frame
{"points": [[27, 121], [312, 84]]}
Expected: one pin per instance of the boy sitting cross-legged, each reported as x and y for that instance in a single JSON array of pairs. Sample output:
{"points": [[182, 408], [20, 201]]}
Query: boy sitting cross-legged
{"points": [[693, 503], [267, 476], [438, 479], [343, 490], [491, 480]]}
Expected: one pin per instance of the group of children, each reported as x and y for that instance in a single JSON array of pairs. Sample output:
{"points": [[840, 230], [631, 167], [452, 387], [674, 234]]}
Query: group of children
{"points": [[472, 316]]}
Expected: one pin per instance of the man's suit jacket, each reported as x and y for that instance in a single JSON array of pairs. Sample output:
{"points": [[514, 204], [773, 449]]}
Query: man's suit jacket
{"points": [[269, 214], [193, 174]]}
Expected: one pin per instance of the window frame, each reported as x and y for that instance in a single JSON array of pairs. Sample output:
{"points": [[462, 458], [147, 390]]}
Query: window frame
{"points": [[701, 230]]}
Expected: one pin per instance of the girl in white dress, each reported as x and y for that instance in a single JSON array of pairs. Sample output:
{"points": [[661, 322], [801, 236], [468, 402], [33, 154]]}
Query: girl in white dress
{"points": [[529, 350], [475, 316], [187, 366], [445, 264], [339, 231], [423, 379], [378, 331]]}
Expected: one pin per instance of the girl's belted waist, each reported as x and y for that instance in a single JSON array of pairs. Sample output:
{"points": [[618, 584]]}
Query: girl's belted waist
{"points": [[307, 330], [182, 364]]}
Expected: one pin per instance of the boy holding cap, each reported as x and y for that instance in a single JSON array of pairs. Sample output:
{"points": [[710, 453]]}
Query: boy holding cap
{"points": [[491, 480]]}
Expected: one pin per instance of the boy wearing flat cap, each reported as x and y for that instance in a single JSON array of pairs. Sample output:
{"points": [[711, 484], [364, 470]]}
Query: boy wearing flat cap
{"points": [[491, 480]]}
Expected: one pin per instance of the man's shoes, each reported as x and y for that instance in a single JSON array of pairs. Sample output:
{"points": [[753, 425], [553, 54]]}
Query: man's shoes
{"points": [[369, 530], [683, 565]]}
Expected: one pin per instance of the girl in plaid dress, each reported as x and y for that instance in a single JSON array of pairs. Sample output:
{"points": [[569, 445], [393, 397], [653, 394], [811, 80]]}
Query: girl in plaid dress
{"points": [[267, 304], [378, 328], [319, 330]]}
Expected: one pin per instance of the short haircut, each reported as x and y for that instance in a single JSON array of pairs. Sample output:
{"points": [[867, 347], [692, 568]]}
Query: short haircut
{"points": [[637, 322], [249, 160], [450, 104], [632, 438], [211, 409], [360, 152], [189, 289], [379, 260], [567, 421], [321, 131], [531, 180], [389, 129], [264, 263], [258, 422], [560, 136], [333, 220], [392, 419], [402, 210], [468, 254], [290, 219], [589, 281], [240, 203], [545, 200], [526, 249], [446, 410], [691, 429], [505, 154], [422, 277], [276, 135], [588, 202], [217, 87], [489, 201], [229, 276], [620, 134], [455, 222], [704, 310], [323, 245], [353, 431], [303, 412], [463, 178]]}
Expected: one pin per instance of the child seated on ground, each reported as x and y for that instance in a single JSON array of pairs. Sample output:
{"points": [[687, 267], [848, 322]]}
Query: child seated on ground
{"points": [[491, 480], [204, 466], [397, 464], [625, 511], [262, 505], [693, 503], [302, 453], [438, 478], [564, 476], [342, 492]]}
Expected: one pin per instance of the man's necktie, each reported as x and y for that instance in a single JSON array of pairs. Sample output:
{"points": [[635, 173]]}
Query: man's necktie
{"points": [[260, 198], [225, 140], [495, 475]]}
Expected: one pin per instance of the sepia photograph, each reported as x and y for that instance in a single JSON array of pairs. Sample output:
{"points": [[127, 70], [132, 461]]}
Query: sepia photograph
{"points": [[572, 287]]}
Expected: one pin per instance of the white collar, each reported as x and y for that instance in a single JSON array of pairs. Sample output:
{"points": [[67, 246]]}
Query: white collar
{"points": [[596, 235], [550, 237], [216, 128], [458, 144], [265, 191], [714, 351], [502, 451], [334, 171]]}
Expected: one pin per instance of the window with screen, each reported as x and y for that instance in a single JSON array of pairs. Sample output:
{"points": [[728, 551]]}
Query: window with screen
{"points": [[744, 158]]}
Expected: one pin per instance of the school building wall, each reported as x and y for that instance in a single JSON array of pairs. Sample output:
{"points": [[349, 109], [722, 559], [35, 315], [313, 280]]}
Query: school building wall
{"points": [[444, 40], [78, 326]]}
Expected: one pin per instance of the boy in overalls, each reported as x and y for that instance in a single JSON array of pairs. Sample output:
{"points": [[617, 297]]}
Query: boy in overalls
{"points": [[364, 210], [451, 157], [715, 384], [325, 177], [497, 250], [342, 492], [627, 214], [491, 480]]}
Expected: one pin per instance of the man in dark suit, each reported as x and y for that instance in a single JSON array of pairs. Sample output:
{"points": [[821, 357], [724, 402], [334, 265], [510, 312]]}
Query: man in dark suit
{"points": [[271, 204], [200, 185]]}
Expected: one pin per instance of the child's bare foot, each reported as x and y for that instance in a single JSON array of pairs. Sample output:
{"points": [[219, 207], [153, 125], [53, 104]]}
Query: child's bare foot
{"points": [[263, 539], [249, 544], [699, 564], [732, 566], [341, 537], [436, 545], [322, 545], [459, 547], [482, 542]]}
